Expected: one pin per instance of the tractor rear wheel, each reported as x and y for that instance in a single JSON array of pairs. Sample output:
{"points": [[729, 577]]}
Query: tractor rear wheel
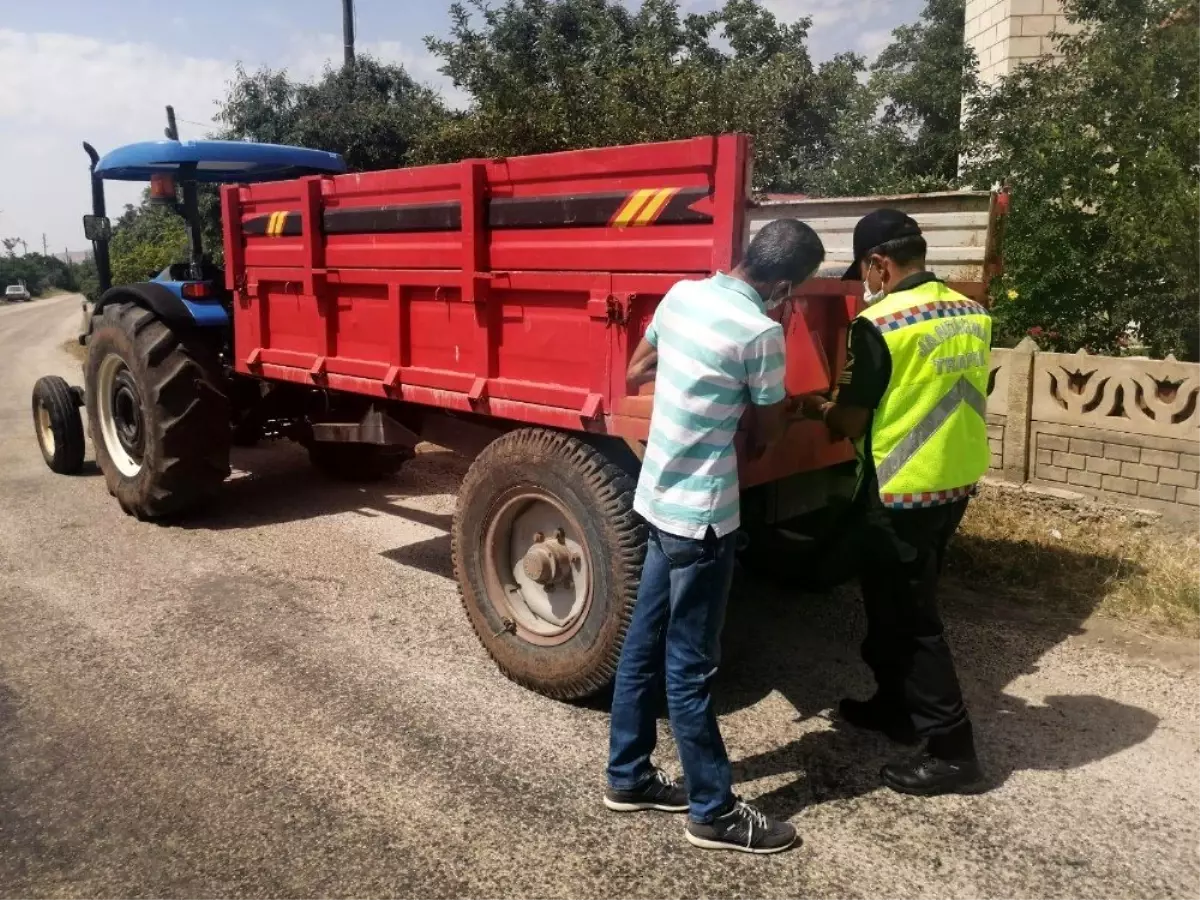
{"points": [[548, 553], [58, 424], [158, 412]]}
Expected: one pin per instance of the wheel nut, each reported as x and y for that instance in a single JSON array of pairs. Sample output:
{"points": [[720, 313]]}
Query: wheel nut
{"points": [[538, 537]]}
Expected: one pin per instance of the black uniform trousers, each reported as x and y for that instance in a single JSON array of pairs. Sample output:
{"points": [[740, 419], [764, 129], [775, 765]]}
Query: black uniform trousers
{"points": [[906, 646]]}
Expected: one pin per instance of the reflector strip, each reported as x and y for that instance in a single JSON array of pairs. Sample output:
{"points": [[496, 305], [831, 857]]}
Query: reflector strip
{"points": [[962, 392]]}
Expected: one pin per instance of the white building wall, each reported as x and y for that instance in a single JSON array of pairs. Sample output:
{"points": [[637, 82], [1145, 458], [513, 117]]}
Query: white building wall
{"points": [[1007, 33]]}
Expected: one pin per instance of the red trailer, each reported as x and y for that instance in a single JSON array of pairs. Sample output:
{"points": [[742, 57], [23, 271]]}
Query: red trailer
{"points": [[493, 305], [489, 306], [523, 309]]}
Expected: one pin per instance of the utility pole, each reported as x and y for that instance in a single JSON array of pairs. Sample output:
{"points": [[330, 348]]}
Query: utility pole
{"points": [[45, 245], [348, 31]]}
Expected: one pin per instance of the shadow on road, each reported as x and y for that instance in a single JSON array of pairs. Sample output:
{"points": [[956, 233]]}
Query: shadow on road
{"points": [[806, 648], [275, 483]]}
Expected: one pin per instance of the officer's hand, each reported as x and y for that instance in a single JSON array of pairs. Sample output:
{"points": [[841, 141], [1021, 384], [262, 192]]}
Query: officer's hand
{"points": [[811, 406]]}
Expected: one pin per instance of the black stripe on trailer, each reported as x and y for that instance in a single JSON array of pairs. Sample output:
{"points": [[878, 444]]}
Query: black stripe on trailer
{"points": [[565, 211], [394, 219]]}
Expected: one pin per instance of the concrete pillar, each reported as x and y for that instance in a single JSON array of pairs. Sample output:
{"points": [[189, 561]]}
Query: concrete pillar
{"points": [[1017, 445]]}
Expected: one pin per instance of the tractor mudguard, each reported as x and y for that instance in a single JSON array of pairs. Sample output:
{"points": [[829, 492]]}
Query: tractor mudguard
{"points": [[166, 304]]}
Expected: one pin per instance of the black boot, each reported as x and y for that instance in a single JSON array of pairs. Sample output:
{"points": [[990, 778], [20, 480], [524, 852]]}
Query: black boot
{"points": [[948, 766], [882, 714]]}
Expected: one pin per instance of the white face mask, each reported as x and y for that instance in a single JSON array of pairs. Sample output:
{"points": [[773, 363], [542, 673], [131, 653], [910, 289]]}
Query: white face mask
{"points": [[778, 296], [871, 297]]}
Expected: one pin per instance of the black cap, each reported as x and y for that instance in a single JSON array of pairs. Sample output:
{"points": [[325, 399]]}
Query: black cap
{"points": [[877, 228]]}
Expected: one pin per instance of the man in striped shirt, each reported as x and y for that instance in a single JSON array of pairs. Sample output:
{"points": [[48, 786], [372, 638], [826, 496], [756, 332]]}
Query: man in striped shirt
{"points": [[712, 351]]}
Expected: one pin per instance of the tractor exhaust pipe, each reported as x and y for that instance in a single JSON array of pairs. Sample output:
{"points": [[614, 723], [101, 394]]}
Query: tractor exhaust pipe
{"points": [[99, 247]]}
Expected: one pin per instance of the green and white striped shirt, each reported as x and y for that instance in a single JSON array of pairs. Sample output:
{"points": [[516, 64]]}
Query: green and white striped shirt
{"points": [[717, 351]]}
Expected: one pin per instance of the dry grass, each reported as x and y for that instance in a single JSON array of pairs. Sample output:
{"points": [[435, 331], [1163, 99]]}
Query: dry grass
{"points": [[1079, 559]]}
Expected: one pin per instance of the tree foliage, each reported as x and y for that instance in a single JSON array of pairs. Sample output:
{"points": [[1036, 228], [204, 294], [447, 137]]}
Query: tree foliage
{"points": [[146, 239], [39, 273], [1099, 151], [546, 76], [373, 113], [901, 133]]}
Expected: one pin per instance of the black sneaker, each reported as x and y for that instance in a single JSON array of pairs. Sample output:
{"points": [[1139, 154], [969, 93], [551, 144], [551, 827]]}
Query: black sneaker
{"points": [[659, 791], [879, 714], [929, 776], [743, 828]]}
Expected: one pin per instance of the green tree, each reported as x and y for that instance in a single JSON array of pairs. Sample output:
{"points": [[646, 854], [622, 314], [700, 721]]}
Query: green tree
{"points": [[146, 239], [546, 76], [901, 133], [39, 273], [1099, 151], [372, 113], [923, 76], [86, 278]]}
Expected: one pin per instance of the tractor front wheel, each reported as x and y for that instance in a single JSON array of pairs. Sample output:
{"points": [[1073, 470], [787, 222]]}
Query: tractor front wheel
{"points": [[58, 425], [158, 412], [548, 553]]}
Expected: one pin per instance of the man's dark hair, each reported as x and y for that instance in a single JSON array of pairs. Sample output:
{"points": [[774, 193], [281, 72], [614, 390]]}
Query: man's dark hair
{"points": [[783, 250], [903, 251]]}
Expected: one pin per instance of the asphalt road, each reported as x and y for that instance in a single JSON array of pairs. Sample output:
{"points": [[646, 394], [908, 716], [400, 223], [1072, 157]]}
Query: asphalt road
{"points": [[284, 698]]}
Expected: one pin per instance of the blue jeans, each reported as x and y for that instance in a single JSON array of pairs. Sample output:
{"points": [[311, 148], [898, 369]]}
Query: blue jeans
{"points": [[676, 630]]}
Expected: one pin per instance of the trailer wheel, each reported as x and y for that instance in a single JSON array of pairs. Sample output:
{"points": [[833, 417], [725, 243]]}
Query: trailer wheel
{"points": [[357, 462], [548, 553], [158, 412], [58, 425]]}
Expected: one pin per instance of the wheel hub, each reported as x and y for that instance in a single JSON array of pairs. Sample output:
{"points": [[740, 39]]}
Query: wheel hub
{"points": [[548, 562], [538, 567], [127, 415], [45, 431], [121, 420]]}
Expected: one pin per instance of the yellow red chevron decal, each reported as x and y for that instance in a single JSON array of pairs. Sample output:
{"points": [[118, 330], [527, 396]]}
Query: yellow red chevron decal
{"points": [[654, 206], [642, 207], [632, 206]]}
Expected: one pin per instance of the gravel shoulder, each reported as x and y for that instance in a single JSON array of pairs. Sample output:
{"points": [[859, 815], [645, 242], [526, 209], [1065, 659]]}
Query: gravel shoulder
{"points": [[284, 698]]}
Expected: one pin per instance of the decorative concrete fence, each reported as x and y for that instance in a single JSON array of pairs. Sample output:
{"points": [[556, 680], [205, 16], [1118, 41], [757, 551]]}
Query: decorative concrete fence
{"points": [[1124, 430]]}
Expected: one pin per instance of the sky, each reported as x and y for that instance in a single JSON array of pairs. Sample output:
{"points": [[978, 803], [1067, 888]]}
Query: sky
{"points": [[102, 71]]}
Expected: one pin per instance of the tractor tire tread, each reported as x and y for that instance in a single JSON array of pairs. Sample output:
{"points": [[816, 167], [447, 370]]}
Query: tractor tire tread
{"points": [[186, 411]]}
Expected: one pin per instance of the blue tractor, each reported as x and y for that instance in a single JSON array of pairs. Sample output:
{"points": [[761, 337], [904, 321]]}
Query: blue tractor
{"points": [[162, 404]]}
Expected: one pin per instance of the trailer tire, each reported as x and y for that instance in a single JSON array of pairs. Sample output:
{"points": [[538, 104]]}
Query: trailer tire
{"points": [[357, 462], [58, 425], [520, 481], [158, 412]]}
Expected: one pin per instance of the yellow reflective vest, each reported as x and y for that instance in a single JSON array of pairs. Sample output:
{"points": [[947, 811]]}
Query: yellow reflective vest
{"points": [[929, 433]]}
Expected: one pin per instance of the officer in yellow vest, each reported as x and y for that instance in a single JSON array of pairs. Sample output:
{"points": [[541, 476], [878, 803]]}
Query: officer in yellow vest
{"points": [[913, 398]]}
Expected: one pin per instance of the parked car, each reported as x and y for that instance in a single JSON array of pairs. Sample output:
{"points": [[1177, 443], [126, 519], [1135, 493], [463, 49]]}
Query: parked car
{"points": [[17, 293]]}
